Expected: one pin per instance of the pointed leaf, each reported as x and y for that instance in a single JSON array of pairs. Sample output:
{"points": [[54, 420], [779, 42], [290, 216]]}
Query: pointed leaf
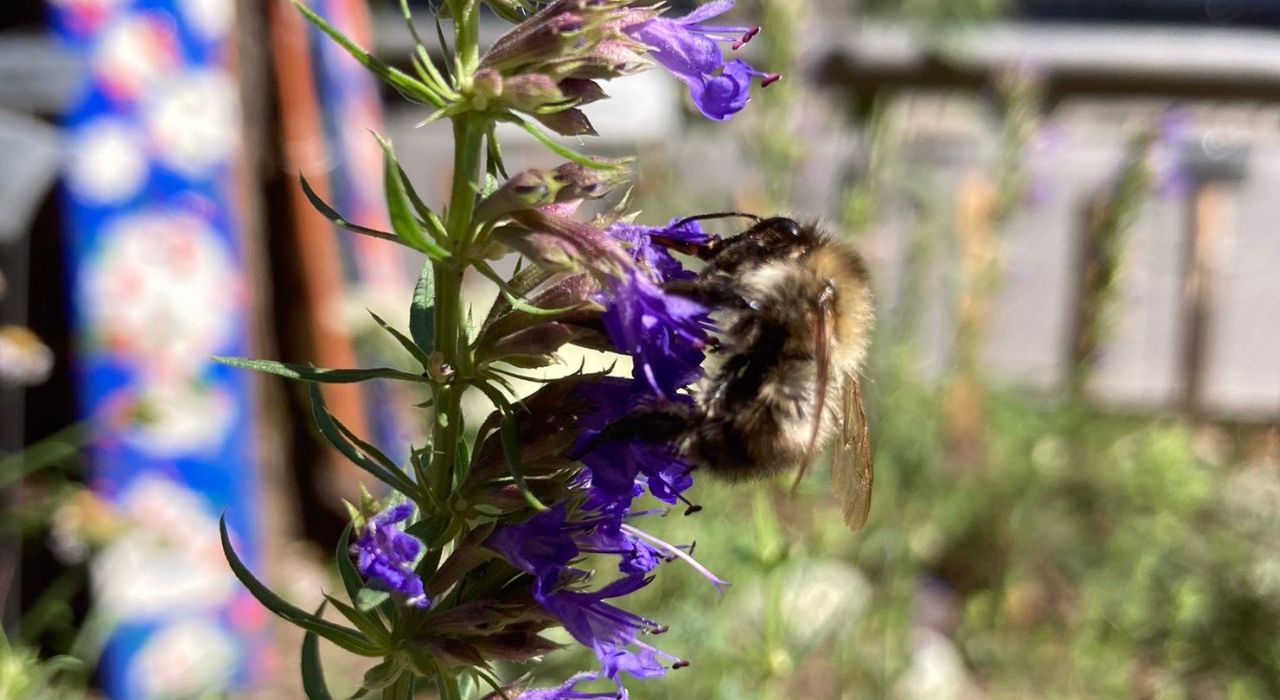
{"points": [[560, 149], [400, 209], [318, 374], [335, 433], [312, 673], [405, 84], [351, 580], [412, 348], [345, 637], [424, 212], [422, 313], [367, 623], [338, 220]]}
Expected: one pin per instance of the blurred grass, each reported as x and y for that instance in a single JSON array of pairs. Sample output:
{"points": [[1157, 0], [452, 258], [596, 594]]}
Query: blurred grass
{"points": [[1088, 556]]}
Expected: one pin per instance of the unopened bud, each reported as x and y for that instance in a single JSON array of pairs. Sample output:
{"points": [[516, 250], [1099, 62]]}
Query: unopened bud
{"points": [[569, 122], [487, 87], [529, 91], [525, 190]]}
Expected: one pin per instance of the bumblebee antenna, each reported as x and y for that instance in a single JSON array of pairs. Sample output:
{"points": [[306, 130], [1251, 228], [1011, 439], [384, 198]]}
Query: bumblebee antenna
{"points": [[716, 215]]}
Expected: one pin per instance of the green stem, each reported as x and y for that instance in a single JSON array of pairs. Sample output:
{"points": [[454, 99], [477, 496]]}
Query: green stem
{"points": [[451, 340], [447, 687], [402, 689]]}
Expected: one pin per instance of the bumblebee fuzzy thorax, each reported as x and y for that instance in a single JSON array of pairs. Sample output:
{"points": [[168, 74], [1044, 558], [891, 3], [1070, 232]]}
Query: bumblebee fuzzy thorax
{"points": [[794, 307]]}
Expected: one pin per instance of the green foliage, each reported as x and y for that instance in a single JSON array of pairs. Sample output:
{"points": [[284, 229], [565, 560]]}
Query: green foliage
{"points": [[1092, 556], [23, 675]]}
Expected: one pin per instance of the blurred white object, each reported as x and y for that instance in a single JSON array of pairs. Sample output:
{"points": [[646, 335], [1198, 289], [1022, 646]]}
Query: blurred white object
{"points": [[169, 563], [937, 670], [184, 659], [106, 161]]}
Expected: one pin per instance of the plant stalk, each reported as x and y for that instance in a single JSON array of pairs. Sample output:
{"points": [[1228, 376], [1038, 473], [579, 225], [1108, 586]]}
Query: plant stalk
{"points": [[451, 333]]}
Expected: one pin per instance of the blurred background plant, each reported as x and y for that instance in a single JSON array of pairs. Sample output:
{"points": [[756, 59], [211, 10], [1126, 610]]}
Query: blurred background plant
{"points": [[1024, 541]]}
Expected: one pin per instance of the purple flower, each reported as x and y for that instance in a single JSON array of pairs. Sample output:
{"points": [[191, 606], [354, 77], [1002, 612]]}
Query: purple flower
{"points": [[386, 556], [663, 333], [1172, 180], [609, 631], [656, 258], [540, 546], [547, 543], [568, 691], [688, 49], [617, 470]]}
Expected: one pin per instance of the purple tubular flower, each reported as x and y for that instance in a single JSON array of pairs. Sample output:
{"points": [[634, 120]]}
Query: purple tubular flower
{"points": [[568, 690], [617, 470], [546, 544], [609, 631], [385, 556], [663, 333], [656, 258], [539, 546], [688, 49]]}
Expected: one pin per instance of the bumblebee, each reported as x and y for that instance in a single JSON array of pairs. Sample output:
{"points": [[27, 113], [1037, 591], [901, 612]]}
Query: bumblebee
{"points": [[795, 308]]}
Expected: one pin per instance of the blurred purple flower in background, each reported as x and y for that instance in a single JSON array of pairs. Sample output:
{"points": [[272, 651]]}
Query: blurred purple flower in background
{"points": [[1168, 170]]}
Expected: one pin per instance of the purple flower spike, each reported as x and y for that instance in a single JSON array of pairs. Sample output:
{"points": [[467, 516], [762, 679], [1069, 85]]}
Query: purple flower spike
{"points": [[688, 49], [568, 690], [663, 333], [385, 556]]}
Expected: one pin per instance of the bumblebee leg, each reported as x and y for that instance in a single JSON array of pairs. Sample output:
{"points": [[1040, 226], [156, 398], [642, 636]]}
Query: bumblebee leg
{"points": [[714, 292]]}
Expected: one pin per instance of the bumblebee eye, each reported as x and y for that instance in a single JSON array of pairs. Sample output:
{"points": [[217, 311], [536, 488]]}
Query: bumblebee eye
{"points": [[788, 227]]}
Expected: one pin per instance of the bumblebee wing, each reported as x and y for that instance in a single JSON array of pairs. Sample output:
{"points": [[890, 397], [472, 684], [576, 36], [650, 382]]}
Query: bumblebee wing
{"points": [[824, 311], [851, 470]]}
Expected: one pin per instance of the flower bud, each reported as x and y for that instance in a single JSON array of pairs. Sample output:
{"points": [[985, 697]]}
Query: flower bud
{"points": [[569, 122], [487, 87], [525, 190], [581, 182], [560, 243], [529, 91]]}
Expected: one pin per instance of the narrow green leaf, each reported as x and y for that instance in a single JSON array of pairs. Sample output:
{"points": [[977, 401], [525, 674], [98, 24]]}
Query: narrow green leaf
{"points": [[368, 449], [317, 374], [338, 220], [345, 637], [430, 74], [367, 623], [351, 581], [335, 433], [495, 165], [312, 672], [400, 209], [449, 59], [422, 313], [404, 83], [424, 212], [412, 348], [560, 149]]}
